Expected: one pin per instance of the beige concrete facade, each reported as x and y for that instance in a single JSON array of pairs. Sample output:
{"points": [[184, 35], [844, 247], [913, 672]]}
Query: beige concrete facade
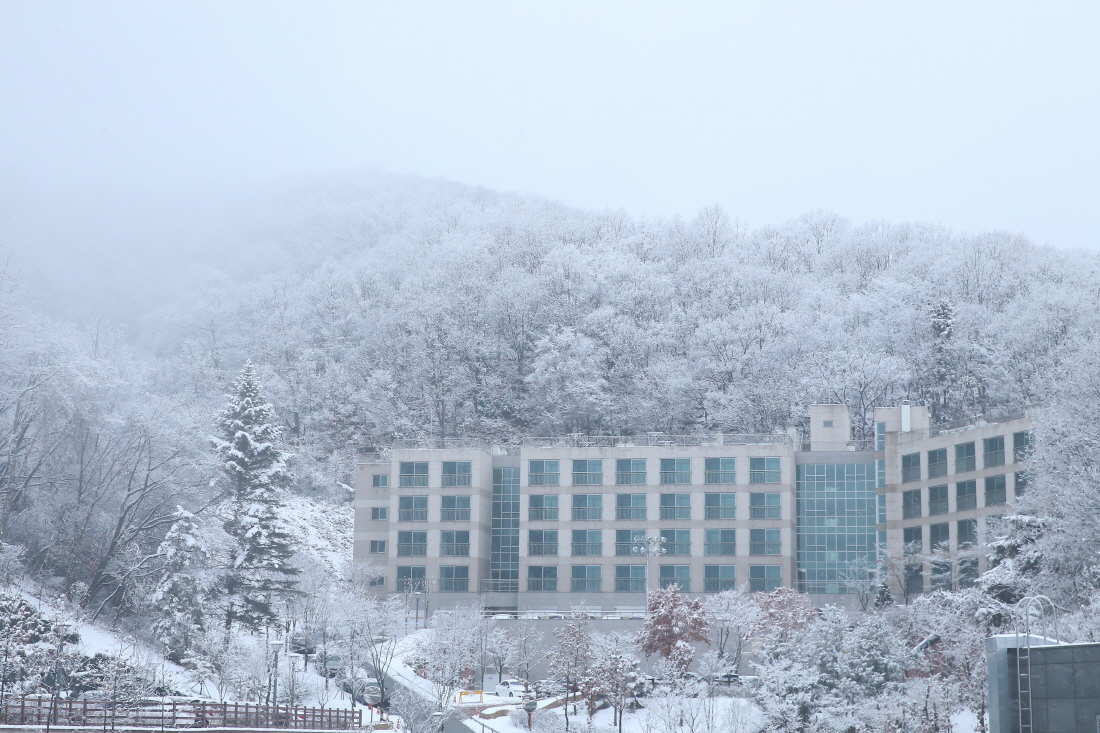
{"points": [[668, 482]]}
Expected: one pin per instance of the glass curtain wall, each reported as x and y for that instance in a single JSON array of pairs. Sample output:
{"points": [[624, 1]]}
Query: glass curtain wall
{"points": [[836, 524]]}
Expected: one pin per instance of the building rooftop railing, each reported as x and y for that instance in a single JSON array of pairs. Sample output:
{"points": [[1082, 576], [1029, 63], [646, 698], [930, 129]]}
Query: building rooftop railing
{"points": [[442, 443], [989, 418], [654, 440]]}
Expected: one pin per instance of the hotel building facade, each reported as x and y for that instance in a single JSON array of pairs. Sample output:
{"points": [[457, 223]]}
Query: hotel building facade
{"points": [[555, 523]]}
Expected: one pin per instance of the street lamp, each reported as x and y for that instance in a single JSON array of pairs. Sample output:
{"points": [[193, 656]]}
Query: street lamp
{"points": [[440, 718], [291, 660], [650, 547], [417, 594], [275, 647], [529, 706]]}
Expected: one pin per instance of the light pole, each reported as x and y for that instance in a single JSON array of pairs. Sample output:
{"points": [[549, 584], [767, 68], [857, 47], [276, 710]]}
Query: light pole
{"points": [[417, 594], [291, 659], [529, 706], [441, 718], [650, 547], [275, 647]]}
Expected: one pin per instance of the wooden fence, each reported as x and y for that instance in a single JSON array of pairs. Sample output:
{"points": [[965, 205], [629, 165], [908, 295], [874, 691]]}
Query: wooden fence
{"points": [[108, 715]]}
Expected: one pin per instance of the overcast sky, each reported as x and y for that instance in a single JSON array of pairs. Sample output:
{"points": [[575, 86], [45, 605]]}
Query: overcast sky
{"points": [[975, 115]]}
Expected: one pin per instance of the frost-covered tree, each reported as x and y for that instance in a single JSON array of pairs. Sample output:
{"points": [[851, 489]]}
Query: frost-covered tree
{"points": [[732, 615], [254, 470], [570, 658], [612, 675], [180, 595], [672, 623]]}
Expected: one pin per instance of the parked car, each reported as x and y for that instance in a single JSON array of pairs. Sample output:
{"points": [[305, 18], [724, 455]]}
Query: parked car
{"points": [[548, 688], [511, 688]]}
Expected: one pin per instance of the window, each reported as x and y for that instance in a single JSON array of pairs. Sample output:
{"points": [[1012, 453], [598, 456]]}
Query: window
{"points": [[542, 473], [542, 578], [964, 457], [587, 507], [937, 463], [588, 473], [880, 473], [380, 480], [968, 572], [627, 539], [412, 544], [678, 575], [542, 542], [913, 537], [764, 542], [720, 471], [941, 575], [966, 495], [411, 577], [377, 581], [910, 504], [380, 513], [455, 509], [720, 542], [914, 579], [675, 470], [720, 506], [827, 424], [937, 500], [765, 578], [910, 468], [630, 506], [454, 544], [717, 578], [378, 547], [764, 470], [880, 502], [1021, 446], [454, 578], [542, 508], [630, 578], [587, 542], [586, 578], [880, 436], [677, 541], [764, 506], [1020, 482], [630, 471], [456, 473], [412, 509], [994, 452], [966, 533], [413, 474], [939, 537], [995, 490], [675, 506]]}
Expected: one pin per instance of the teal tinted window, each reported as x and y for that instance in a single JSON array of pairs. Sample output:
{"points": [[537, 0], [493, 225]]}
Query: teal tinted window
{"points": [[836, 511]]}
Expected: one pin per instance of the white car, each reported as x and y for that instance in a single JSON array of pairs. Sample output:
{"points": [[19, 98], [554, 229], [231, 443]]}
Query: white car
{"points": [[511, 688]]}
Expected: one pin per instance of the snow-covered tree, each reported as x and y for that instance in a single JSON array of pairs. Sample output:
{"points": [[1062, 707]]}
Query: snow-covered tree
{"points": [[672, 623], [449, 653], [180, 595], [732, 615], [612, 674], [569, 659], [254, 469]]}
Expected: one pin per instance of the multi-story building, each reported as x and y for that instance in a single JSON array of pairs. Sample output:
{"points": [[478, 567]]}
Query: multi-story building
{"points": [[597, 520]]}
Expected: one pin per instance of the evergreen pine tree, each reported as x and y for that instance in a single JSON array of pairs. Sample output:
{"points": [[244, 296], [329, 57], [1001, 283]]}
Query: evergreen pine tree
{"points": [[180, 592], [255, 469]]}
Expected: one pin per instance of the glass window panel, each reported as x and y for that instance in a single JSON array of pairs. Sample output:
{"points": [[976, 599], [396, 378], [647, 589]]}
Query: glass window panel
{"points": [[720, 470], [937, 463]]}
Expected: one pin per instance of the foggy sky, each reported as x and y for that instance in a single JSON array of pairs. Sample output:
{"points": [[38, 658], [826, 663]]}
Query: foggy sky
{"points": [[129, 128]]}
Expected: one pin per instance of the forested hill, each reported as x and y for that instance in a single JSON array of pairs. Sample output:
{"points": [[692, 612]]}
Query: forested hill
{"points": [[390, 305]]}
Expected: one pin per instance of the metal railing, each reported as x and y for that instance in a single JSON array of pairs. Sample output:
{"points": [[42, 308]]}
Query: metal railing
{"points": [[542, 549], [630, 512], [587, 549], [499, 585], [441, 443], [720, 477], [719, 548], [412, 550], [454, 549], [454, 515], [654, 440], [629, 478], [544, 514], [37, 711]]}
